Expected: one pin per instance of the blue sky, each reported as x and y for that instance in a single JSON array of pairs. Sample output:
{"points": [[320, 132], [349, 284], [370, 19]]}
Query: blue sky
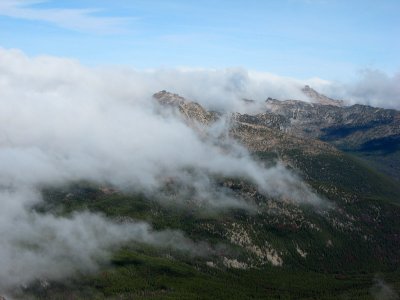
{"points": [[331, 39]]}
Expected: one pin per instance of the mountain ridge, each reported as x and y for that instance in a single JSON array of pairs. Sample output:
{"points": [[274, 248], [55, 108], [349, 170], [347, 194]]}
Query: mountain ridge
{"points": [[358, 129], [316, 97]]}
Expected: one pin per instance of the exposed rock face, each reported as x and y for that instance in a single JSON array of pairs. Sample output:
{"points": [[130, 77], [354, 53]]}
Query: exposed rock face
{"points": [[353, 127], [192, 111], [316, 97], [234, 264], [167, 98], [267, 131], [302, 124]]}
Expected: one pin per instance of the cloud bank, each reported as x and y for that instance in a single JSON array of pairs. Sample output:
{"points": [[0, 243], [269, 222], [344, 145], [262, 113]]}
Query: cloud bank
{"points": [[62, 122], [372, 87]]}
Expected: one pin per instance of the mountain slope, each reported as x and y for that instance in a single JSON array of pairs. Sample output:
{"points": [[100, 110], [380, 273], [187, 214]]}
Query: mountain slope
{"points": [[278, 249], [316, 97]]}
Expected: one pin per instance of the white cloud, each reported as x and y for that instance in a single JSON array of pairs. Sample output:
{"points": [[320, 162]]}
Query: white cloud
{"points": [[46, 247], [61, 121], [372, 87], [85, 20]]}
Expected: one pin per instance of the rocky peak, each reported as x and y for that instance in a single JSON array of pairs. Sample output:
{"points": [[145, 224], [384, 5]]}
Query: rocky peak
{"points": [[316, 97], [167, 98], [191, 111]]}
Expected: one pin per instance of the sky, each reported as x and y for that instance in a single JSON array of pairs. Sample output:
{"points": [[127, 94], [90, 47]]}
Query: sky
{"points": [[329, 39]]}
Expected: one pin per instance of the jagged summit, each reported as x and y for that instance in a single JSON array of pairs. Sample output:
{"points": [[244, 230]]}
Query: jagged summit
{"points": [[164, 97], [316, 97], [192, 111]]}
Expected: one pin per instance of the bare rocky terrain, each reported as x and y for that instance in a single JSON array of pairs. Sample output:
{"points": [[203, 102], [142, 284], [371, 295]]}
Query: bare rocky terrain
{"points": [[325, 126]]}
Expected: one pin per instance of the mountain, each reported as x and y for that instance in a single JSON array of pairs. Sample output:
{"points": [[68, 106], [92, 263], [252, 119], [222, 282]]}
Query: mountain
{"points": [[316, 97], [370, 133], [355, 127], [281, 248], [192, 111]]}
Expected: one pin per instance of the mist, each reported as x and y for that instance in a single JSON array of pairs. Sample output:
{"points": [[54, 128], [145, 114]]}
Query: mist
{"points": [[45, 247], [63, 122], [376, 88], [369, 87], [381, 290]]}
